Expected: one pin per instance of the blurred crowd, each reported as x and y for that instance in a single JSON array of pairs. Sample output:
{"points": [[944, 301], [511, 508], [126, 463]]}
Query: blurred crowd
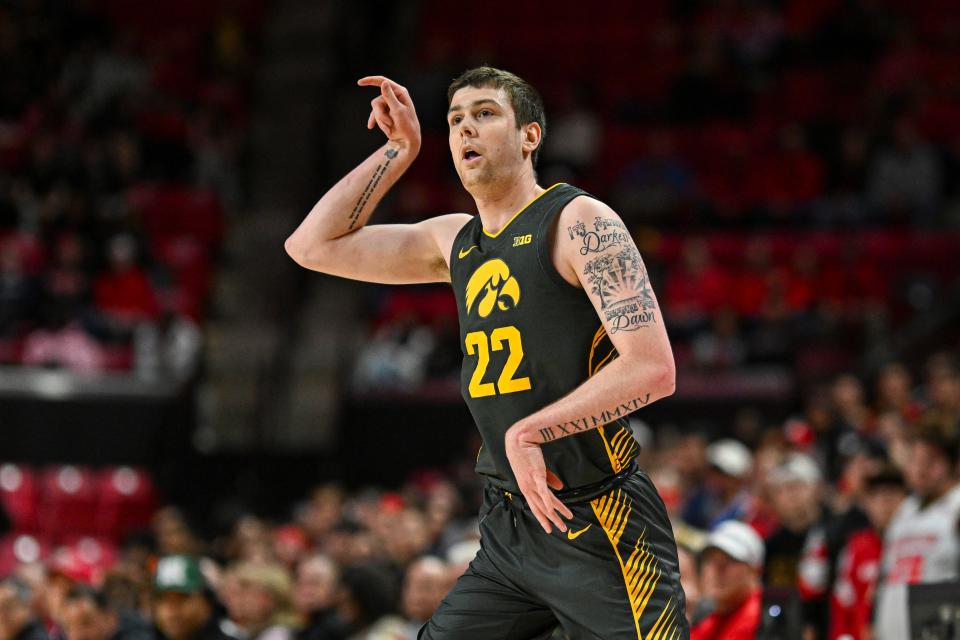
{"points": [[818, 519], [120, 147]]}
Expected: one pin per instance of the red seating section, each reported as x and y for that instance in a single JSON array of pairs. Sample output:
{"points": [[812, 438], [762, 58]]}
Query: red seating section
{"points": [[64, 504]]}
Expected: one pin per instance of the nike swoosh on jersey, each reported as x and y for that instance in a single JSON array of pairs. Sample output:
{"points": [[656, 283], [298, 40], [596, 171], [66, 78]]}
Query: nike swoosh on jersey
{"points": [[573, 535], [463, 253]]}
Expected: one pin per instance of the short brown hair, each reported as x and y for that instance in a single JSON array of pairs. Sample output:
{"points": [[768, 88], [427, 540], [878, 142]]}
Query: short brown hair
{"points": [[525, 100]]}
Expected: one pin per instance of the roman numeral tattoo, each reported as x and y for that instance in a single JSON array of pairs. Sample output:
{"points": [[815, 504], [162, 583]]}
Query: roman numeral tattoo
{"points": [[622, 410], [378, 173]]}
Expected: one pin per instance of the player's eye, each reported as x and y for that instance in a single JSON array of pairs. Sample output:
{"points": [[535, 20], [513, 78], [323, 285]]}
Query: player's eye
{"points": [[485, 112], [456, 120]]}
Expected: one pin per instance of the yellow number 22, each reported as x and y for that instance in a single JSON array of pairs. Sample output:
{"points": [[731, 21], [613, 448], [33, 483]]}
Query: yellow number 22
{"points": [[477, 344]]}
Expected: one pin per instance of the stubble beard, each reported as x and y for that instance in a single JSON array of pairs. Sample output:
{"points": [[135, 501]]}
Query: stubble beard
{"points": [[480, 180]]}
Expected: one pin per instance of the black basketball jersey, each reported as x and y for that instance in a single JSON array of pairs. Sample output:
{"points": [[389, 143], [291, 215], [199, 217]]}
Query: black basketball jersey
{"points": [[528, 338]]}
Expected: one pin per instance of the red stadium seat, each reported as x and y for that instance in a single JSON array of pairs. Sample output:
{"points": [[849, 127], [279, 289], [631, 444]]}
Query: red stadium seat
{"points": [[126, 501], [68, 505], [21, 548], [19, 493]]}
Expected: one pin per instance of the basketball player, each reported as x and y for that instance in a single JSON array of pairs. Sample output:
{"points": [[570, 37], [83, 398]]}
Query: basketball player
{"points": [[561, 337], [922, 543]]}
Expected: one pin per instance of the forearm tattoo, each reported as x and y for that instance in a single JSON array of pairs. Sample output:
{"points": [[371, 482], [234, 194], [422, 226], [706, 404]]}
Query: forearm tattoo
{"points": [[378, 173], [620, 280], [571, 427]]}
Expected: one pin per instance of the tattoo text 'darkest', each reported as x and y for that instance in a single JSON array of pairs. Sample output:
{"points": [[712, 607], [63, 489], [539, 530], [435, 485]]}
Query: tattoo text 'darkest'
{"points": [[621, 282], [381, 169], [589, 422], [606, 233]]}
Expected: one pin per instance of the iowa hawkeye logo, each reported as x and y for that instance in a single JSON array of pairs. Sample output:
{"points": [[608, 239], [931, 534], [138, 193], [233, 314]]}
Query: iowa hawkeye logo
{"points": [[492, 285]]}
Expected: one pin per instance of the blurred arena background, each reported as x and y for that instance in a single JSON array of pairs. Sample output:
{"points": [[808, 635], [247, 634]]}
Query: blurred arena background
{"points": [[172, 383]]}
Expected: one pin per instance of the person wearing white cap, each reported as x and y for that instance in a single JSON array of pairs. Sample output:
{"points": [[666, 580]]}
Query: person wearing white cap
{"points": [[795, 492], [731, 465], [731, 564]]}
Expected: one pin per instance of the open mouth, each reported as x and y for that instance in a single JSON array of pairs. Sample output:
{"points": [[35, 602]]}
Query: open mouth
{"points": [[470, 154]]}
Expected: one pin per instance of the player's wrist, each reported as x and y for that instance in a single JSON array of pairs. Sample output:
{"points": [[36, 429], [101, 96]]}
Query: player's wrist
{"points": [[524, 434], [406, 148]]}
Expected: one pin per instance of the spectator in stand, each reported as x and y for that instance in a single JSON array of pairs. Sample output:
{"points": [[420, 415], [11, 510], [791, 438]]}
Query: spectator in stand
{"points": [[792, 177], [794, 492], [690, 581], [368, 603], [731, 565], [850, 418], [427, 582], [801, 287], [17, 619], [403, 535], [722, 346], [574, 141], [824, 543], [87, 615], [905, 178], [124, 293], [697, 289], [167, 348], [751, 287], [894, 391], [19, 292], [844, 204], [443, 505], [183, 608], [727, 493], [657, 186], [290, 544], [63, 343], [173, 533], [943, 390], [922, 543], [858, 564], [322, 512], [250, 541], [257, 599], [314, 597]]}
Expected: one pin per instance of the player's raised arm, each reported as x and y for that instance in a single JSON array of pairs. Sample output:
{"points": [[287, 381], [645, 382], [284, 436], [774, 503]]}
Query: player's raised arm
{"points": [[333, 237]]}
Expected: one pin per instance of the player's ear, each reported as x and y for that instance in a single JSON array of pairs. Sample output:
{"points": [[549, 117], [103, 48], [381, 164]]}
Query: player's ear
{"points": [[530, 136]]}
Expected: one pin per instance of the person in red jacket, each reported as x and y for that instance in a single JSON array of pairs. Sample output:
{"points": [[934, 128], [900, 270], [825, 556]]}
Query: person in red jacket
{"points": [[858, 566], [731, 564]]}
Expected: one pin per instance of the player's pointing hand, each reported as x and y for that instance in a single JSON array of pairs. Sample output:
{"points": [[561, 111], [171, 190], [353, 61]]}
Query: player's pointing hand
{"points": [[534, 480], [393, 111]]}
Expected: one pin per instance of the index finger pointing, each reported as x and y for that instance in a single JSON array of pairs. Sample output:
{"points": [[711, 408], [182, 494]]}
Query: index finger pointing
{"points": [[372, 81]]}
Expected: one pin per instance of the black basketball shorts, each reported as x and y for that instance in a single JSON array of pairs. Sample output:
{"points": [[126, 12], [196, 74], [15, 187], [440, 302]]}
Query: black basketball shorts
{"points": [[612, 575]]}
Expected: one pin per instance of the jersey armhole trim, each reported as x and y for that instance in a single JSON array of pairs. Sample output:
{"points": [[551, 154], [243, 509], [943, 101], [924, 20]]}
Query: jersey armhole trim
{"points": [[544, 246]]}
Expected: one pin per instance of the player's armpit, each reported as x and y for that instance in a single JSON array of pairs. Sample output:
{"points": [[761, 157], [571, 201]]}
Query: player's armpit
{"points": [[593, 244]]}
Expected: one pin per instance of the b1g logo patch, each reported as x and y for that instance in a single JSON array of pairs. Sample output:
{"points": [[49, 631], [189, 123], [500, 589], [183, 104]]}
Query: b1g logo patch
{"points": [[519, 241]]}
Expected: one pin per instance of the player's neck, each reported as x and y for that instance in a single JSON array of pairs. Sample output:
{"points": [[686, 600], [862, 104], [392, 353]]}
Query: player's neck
{"points": [[499, 203]]}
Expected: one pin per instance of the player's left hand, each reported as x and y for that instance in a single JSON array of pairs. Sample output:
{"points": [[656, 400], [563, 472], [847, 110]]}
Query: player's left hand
{"points": [[535, 480]]}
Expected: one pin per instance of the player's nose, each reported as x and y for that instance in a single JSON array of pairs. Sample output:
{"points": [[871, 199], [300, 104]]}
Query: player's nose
{"points": [[467, 130]]}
